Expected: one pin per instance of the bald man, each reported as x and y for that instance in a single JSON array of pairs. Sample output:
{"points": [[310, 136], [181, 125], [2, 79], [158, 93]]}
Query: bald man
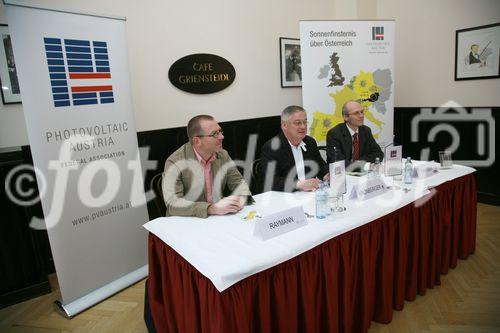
{"points": [[352, 141]]}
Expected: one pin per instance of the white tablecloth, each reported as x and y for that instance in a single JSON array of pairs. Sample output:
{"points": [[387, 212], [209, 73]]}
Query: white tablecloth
{"points": [[223, 248]]}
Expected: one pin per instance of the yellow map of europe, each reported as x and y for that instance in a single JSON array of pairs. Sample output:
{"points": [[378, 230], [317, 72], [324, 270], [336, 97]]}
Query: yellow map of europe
{"points": [[371, 89]]}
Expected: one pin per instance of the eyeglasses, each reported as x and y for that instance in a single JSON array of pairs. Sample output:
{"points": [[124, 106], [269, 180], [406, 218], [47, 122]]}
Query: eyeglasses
{"points": [[357, 113], [299, 122], [214, 135]]}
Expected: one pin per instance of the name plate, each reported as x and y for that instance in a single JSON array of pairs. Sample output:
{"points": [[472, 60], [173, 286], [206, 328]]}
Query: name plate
{"points": [[425, 170], [369, 189], [338, 184], [280, 223], [393, 165]]}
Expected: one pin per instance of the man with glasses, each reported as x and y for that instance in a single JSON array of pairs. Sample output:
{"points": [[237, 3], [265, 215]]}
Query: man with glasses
{"points": [[197, 174], [352, 141], [291, 160]]}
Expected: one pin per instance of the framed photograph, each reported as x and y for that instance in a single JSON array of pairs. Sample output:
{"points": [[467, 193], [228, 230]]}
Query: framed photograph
{"points": [[291, 67], [477, 53], [8, 74]]}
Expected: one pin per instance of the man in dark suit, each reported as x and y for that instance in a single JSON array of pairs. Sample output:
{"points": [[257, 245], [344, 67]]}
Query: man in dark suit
{"points": [[291, 160], [352, 141]]}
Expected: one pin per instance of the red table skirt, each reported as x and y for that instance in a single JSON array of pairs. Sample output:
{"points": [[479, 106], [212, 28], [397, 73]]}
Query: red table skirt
{"points": [[338, 286]]}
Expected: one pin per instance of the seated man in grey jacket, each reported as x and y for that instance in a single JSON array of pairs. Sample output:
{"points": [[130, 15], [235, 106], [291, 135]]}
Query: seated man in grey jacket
{"points": [[197, 173]]}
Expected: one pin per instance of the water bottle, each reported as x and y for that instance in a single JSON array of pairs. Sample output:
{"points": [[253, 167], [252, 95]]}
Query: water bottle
{"points": [[321, 202], [376, 168], [408, 175]]}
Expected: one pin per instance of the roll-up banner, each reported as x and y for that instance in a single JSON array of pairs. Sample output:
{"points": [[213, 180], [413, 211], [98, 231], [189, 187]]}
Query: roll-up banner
{"points": [[343, 61], [74, 81]]}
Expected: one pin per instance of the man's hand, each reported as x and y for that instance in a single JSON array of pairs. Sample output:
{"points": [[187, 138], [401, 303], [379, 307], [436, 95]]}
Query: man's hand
{"points": [[326, 177], [308, 184], [227, 205]]}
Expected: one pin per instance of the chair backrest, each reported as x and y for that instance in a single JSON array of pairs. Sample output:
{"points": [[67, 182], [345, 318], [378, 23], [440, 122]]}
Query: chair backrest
{"points": [[322, 151], [157, 189], [255, 182]]}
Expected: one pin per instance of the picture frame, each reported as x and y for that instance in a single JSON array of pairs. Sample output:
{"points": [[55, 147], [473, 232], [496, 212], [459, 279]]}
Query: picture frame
{"points": [[8, 74], [477, 52], [290, 62]]}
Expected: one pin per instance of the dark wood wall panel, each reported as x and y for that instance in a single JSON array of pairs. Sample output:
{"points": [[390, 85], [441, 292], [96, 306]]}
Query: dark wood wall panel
{"points": [[467, 126], [23, 263]]}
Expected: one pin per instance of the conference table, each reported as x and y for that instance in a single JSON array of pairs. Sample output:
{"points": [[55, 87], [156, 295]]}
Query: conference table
{"points": [[332, 275]]}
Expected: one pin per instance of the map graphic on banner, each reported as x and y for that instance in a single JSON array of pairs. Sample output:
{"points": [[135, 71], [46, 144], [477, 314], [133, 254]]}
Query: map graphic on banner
{"points": [[344, 61]]}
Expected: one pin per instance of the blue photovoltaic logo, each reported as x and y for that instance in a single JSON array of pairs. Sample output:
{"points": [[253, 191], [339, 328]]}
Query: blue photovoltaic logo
{"points": [[377, 33], [79, 71]]}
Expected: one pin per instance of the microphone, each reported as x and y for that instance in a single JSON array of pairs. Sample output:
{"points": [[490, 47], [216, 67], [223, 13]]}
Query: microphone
{"points": [[373, 98]]}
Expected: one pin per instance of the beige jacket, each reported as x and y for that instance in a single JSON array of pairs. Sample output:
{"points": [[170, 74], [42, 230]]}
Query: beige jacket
{"points": [[183, 182]]}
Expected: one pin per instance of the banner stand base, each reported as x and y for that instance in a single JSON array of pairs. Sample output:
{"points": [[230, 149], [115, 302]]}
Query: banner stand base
{"points": [[59, 307], [73, 308]]}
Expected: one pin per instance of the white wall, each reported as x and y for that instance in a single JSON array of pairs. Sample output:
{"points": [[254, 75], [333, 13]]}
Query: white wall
{"points": [[425, 51], [247, 32], [161, 31]]}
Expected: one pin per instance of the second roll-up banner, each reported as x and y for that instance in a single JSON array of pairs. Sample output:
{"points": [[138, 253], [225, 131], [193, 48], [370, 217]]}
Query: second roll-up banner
{"points": [[74, 80], [343, 61]]}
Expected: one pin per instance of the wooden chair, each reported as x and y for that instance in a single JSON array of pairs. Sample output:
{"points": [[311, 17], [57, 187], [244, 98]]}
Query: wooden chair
{"points": [[156, 187], [255, 182]]}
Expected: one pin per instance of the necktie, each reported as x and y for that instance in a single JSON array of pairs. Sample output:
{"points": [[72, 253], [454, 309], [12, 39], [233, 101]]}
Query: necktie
{"points": [[355, 147]]}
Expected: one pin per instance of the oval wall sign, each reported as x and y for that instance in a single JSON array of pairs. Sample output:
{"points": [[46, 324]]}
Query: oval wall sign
{"points": [[201, 73]]}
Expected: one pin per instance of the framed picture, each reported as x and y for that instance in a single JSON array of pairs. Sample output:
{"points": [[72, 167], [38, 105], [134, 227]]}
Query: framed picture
{"points": [[477, 53], [291, 68], [8, 74]]}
